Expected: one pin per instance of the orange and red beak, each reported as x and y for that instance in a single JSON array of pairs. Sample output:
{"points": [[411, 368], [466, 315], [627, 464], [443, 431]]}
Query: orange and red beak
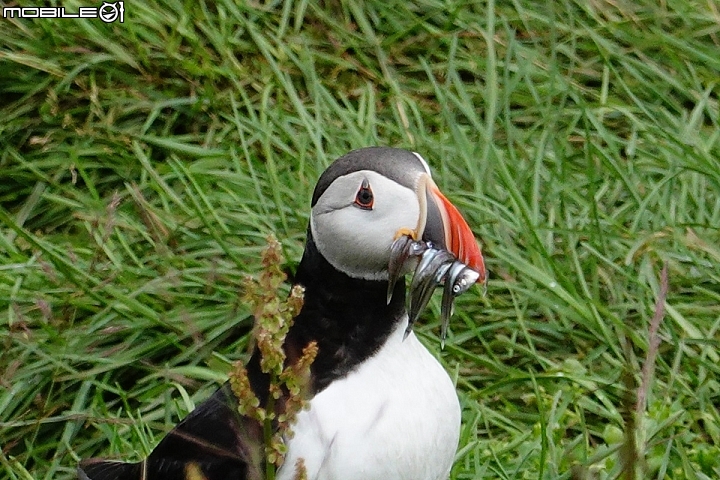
{"points": [[446, 228]]}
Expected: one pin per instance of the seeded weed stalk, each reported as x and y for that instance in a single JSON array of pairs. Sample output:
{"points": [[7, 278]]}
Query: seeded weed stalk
{"points": [[274, 313]]}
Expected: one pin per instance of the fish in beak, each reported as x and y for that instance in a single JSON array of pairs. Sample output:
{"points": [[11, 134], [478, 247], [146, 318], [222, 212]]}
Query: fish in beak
{"points": [[443, 250]]}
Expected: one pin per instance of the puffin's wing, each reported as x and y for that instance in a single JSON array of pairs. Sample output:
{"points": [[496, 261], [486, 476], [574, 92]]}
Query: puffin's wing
{"points": [[214, 442]]}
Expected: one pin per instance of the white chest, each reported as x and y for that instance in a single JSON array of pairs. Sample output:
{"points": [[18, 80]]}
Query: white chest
{"points": [[395, 417]]}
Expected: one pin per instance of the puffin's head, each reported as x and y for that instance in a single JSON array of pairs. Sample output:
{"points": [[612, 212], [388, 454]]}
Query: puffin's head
{"points": [[368, 198]]}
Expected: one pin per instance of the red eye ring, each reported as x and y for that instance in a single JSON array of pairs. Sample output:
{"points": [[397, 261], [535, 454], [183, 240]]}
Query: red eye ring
{"points": [[365, 198]]}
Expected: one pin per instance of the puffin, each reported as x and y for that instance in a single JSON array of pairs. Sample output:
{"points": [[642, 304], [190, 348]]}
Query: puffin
{"points": [[380, 405]]}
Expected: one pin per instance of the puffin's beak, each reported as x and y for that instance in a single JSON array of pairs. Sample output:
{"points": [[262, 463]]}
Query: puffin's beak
{"points": [[447, 229], [447, 251]]}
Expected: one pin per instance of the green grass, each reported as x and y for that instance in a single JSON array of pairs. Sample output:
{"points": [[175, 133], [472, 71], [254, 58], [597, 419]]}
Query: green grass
{"points": [[142, 165]]}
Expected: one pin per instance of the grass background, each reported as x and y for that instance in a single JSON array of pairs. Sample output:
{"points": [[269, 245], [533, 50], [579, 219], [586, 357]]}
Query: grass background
{"points": [[143, 163]]}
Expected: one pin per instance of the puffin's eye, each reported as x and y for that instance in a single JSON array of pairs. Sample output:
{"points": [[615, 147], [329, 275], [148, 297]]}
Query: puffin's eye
{"points": [[364, 198]]}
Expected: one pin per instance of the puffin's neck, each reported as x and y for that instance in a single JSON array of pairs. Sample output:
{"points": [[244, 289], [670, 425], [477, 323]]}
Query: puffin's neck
{"points": [[349, 318]]}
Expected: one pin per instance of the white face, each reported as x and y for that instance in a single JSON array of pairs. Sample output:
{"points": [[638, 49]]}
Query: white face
{"points": [[357, 240]]}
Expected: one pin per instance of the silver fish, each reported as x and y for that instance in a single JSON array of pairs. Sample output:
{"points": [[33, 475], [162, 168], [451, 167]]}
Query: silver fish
{"points": [[435, 267]]}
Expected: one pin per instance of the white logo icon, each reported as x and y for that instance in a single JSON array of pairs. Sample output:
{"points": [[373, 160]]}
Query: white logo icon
{"points": [[109, 12]]}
